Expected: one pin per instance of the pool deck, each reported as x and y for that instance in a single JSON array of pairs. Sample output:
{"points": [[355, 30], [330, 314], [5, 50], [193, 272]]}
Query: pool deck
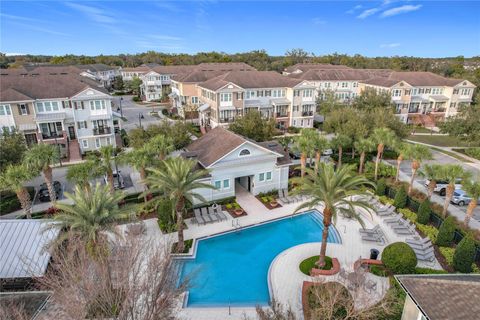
{"points": [[285, 277]]}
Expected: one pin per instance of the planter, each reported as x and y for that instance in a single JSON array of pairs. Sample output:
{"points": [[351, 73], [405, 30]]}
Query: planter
{"points": [[274, 204], [238, 212]]}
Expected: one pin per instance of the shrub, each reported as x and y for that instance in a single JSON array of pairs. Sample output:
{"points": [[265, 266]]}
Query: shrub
{"points": [[446, 232], [423, 212], [464, 255], [385, 200], [136, 99], [447, 253], [400, 200], [429, 231], [166, 217], [381, 186], [473, 152], [293, 130], [409, 214], [429, 271], [399, 258]]}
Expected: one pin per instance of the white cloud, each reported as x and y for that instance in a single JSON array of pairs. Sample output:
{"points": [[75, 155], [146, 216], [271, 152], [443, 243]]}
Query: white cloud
{"points": [[367, 13], [399, 10], [165, 37], [318, 21], [93, 13], [390, 45], [169, 6], [358, 6]]}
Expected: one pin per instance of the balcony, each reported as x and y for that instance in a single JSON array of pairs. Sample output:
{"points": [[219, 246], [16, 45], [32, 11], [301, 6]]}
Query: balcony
{"points": [[52, 135], [307, 114], [281, 114], [227, 120], [100, 131]]}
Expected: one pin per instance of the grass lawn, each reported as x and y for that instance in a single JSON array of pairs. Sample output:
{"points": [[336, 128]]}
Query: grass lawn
{"points": [[421, 130], [439, 141], [309, 263], [451, 154]]}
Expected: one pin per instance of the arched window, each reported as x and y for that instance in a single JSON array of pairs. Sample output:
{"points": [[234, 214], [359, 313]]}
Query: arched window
{"points": [[244, 152]]}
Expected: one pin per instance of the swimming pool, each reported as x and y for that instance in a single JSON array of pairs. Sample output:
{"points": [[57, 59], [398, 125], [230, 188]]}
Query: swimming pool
{"points": [[232, 268]]}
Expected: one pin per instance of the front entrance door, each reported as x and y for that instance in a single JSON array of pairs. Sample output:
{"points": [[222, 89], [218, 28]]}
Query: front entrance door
{"points": [[249, 184], [71, 132]]}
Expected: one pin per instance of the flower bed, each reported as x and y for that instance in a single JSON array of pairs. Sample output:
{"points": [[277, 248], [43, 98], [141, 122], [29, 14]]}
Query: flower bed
{"points": [[234, 209]]}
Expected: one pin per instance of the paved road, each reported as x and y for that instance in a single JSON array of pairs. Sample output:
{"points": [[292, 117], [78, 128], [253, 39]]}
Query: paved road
{"points": [[132, 111], [440, 158]]}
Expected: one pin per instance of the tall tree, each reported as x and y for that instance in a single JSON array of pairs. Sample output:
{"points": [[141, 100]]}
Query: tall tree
{"points": [[285, 141], [417, 154], [13, 179], [254, 126], [12, 148], [335, 191], [472, 188], [162, 145], [370, 99], [432, 172], [42, 157], [382, 137], [339, 142], [451, 173], [91, 214], [177, 179], [107, 154], [140, 159], [363, 146], [81, 174], [320, 143], [465, 125], [303, 145], [403, 150]]}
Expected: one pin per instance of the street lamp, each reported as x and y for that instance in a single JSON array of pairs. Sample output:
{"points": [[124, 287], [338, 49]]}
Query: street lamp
{"points": [[140, 118], [119, 109]]}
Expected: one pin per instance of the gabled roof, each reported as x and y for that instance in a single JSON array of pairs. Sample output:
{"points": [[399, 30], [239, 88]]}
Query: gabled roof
{"points": [[196, 76], [449, 296], [312, 66], [12, 94], [413, 78], [340, 74], [23, 244], [250, 79]]}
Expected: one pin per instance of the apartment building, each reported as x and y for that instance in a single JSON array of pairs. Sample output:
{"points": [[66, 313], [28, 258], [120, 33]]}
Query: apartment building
{"points": [[291, 102], [184, 95], [67, 110], [304, 67], [423, 97]]}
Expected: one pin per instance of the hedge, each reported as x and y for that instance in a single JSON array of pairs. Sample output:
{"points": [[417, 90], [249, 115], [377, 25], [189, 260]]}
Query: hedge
{"points": [[399, 258], [381, 186], [423, 213], [9, 201], [446, 232], [463, 257], [400, 200]]}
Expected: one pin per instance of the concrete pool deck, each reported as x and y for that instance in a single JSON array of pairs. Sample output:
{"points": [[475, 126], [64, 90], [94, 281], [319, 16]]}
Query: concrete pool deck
{"points": [[285, 277]]}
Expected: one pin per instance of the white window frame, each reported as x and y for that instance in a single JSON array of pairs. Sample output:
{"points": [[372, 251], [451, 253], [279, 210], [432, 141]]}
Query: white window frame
{"points": [[267, 174], [219, 182], [108, 141], [261, 177], [85, 143], [228, 184], [98, 143], [225, 97], [6, 110]]}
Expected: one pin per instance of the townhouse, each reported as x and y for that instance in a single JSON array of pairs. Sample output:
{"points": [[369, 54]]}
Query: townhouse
{"points": [[291, 102], [304, 67], [423, 97], [67, 110], [184, 95]]}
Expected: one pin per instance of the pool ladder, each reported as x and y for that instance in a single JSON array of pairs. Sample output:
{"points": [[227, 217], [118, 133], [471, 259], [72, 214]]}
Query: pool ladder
{"points": [[236, 225]]}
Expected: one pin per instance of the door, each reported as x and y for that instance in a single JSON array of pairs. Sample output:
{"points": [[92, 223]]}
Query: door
{"points": [[71, 132], [249, 184]]}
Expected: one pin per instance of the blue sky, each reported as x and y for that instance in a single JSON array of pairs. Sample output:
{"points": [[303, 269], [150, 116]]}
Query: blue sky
{"points": [[373, 28]]}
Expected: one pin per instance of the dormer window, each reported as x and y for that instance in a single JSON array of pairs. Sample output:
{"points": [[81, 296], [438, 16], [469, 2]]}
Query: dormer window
{"points": [[244, 152]]}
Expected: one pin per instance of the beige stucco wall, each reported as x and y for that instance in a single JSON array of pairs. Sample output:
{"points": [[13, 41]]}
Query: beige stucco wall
{"points": [[23, 119], [410, 310]]}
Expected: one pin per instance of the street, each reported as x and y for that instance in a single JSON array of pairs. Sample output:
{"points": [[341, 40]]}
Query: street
{"points": [[133, 112]]}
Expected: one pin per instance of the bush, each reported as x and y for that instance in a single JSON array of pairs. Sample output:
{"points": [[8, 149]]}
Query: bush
{"points": [[423, 213], [400, 200], [447, 253], [429, 271], [381, 186], [473, 152], [429, 231], [136, 99], [464, 255], [166, 217], [446, 232], [409, 214], [385, 200], [293, 130], [399, 258]]}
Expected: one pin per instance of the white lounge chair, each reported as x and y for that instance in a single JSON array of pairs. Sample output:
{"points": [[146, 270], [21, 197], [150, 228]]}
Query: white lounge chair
{"points": [[198, 216], [205, 215], [218, 211], [212, 215]]}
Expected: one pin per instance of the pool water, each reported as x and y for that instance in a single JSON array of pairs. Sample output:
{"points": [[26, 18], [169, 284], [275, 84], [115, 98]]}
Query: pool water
{"points": [[232, 268]]}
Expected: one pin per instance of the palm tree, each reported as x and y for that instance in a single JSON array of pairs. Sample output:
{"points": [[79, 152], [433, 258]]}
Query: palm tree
{"points": [[81, 174], [91, 214], [472, 188], [41, 157], [403, 150], [162, 145], [12, 179], [107, 154], [335, 190], [340, 141], [363, 146], [140, 159], [177, 179], [417, 153], [431, 172], [382, 137], [320, 143], [451, 173], [302, 145], [285, 142]]}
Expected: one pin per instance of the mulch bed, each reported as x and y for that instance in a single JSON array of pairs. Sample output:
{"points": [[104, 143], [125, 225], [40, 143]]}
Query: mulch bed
{"points": [[267, 205], [441, 259], [232, 212]]}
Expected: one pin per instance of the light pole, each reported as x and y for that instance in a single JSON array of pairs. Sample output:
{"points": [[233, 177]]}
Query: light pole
{"points": [[140, 117], [120, 107]]}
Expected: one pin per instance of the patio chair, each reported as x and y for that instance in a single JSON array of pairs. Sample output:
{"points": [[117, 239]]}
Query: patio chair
{"points": [[374, 238], [370, 231], [420, 241], [218, 211], [430, 256], [404, 230], [212, 215], [282, 198], [420, 246], [385, 213], [205, 215], [395, 218], [198, 216]]}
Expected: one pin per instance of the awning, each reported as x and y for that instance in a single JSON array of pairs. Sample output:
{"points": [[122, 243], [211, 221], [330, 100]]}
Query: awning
{"points": [[27, 126], [280, 101], [204, 107], [50, 116], [224, 108], [439, 98], [419, 99], [252, 103], [99, 117]]}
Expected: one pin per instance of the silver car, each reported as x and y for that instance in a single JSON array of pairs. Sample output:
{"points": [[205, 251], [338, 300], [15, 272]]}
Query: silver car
{"points": [[118, 182], [461, 198]]}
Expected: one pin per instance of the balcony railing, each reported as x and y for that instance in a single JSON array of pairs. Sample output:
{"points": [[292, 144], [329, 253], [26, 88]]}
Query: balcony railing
{"points": [[104, 130], [307, 113], [227, 120], [281, 114], [52, 135]]}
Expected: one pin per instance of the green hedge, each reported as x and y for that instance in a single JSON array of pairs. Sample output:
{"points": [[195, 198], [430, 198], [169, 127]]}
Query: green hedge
{"points": [[446, 232], [463, 257], [399, 258], [9, 201], [381, 187], [400, 200], [423, 212]]}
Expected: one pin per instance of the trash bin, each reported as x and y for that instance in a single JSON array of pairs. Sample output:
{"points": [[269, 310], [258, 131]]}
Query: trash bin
{"points": [[374, 254]]}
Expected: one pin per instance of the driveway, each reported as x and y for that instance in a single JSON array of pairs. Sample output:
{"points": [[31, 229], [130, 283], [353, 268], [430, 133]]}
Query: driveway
{"points": [[133, 111]]}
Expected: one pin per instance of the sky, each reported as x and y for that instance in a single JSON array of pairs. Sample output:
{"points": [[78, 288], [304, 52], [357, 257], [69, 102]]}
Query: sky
{"points": [[370, 28]]}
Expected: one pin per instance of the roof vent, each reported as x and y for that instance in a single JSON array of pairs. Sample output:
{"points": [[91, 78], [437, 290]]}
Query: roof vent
{"points": [[272, 145]]}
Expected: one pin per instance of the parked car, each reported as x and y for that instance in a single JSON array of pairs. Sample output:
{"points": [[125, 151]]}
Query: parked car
{"points": [[441, 187], [461, 198], [118, 182], [295, 155], [44, 195], [327, 152]]}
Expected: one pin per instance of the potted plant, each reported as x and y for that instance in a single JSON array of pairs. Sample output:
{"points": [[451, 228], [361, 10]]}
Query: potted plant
{"points": [[273, 203]]}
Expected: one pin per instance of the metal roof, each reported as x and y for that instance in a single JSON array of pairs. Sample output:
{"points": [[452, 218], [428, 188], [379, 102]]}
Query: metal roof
{"points": [[23, 244]]}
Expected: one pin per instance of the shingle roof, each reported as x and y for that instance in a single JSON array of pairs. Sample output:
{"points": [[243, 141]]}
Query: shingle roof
{"points": [[23, 244], [278, 148], [44, 86], [312, 66], [196, 76], [215, 144], [340, 74], [229, 66], [451, 297], [250, 79], [96, 67], [414, 78]]}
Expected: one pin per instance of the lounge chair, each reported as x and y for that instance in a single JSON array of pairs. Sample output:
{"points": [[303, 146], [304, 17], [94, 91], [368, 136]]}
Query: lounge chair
{"points": [[395, 218], [420, 241], [198, 216], [374, 237], [408, 230], [426, 257], [218, 211], [212, 215], [385, 207], [375, 229], [385, 213], [282, 198], [205, 215]]}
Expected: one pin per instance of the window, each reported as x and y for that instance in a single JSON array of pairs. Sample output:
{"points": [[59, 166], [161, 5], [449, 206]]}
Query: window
{"points": [[218, 184], [194, 100], [269, 176], [23, 109], [355, 84], [82, 125], [244, 152], [97, 105], [225, 97], [47, 106], [109, 141], [307, 93], [465, 92], [226, 184], [296, 93], [5, 110], [455, 91], [407, 92], [250, 94], [344, 84], [85, 143], [261, 177], [97, 143], [396, 93], [295, 108]]}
